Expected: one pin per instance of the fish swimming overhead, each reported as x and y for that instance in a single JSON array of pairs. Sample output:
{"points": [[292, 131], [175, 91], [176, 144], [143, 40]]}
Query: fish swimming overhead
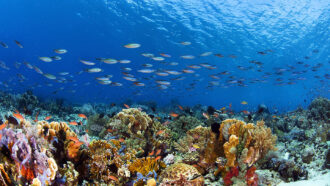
{"points": [[93, 70]]}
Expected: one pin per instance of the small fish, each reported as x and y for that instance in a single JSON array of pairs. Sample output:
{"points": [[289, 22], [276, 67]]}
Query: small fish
{"points": [[185, 43], [151, 153], [188, 57], [110, 61], [56, 58], [158, 152], [75, 139], [206, 54], [46, 59], [158, 158], [130, 78], [124, 61], [2, 126], [160, 132], [63, 73], [219, 55], [244, 103], [93, 70], [246, 112], [132, 45], [158, 58], [18, 116], [60, 51], [223, 108], [87, 62], [121, 140], [113, 178], [18, 44], [274, 116], [147, 55], [126, 106], [165, 55], [174, 114], [82, 116], [36, 117], [163, 82], [48, 118], [206, 115], [49, 76], [188, 71], [196, 146], [73, 123], [147, 71], [162, 73], [139, 84], [4, 45], [180, 107]]}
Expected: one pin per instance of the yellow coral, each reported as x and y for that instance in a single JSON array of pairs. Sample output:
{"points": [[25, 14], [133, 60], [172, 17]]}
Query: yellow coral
{"points": [[230, 150], [263, 139], [53, 168], [146, 165], [36, 182]]}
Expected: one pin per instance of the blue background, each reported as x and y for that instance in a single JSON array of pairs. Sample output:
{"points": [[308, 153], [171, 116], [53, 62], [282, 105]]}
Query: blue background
{"points": [[99, 28]]}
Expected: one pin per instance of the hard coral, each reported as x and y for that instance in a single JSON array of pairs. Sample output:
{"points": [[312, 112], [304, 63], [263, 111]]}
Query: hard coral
{"points": [[146, 165], [136, 120], [181, 174]]}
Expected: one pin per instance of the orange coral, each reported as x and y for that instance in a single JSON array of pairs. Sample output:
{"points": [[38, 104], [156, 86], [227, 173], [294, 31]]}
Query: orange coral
{"points": [[146, 165], [27, 173], [230, 150]]}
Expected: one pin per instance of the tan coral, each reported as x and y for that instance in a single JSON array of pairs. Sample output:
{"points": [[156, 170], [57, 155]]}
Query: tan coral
{"points": [[230, 150], [181, 174], [52, 129], [136, 120], [263, 139]]}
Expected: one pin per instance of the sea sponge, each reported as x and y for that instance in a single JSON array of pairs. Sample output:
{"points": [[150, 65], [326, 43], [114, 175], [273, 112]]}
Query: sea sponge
{"points": [[230, 150], [181, 174], [146, 165]]}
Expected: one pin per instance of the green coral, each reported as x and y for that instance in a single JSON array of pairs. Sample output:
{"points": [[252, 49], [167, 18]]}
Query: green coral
{"points": [[96, 124], [180, 126]]}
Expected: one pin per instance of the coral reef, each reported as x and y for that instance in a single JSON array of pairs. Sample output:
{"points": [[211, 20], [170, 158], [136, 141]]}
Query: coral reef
{"points": [[180, 126]]}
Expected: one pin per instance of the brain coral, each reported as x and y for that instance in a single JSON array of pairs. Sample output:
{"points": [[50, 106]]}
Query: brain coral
{"points": [[181, 174]]}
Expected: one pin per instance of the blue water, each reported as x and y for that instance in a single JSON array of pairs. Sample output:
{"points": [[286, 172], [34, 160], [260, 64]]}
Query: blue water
{"points": [[89, 29]]}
